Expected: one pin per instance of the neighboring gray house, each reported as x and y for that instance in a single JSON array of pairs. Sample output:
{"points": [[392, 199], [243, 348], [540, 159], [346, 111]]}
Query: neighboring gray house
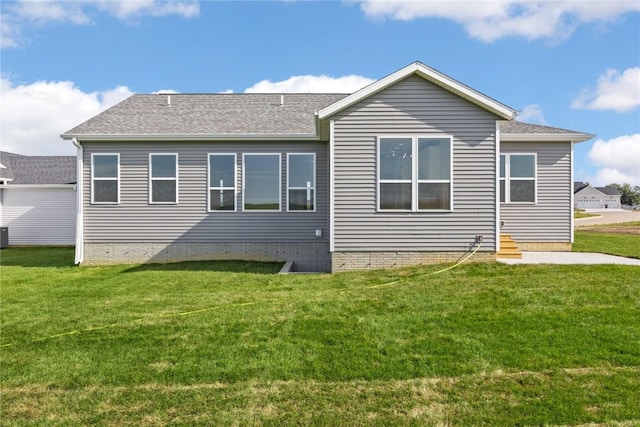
{"points": [[414, 168], [587, 197], [38, 199]]}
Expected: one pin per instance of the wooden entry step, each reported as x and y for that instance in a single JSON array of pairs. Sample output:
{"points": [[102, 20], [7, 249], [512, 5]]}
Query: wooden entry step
{"points": [[508, 248]]}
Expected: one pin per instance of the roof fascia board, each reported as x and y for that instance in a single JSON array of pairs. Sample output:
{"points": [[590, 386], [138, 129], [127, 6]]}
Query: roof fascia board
{"points": [[38, 185], [428, 74], [546, 137], [194, 137]]}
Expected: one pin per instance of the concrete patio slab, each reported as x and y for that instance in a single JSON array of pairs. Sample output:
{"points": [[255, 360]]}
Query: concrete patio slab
{"points": [[569, 258]]}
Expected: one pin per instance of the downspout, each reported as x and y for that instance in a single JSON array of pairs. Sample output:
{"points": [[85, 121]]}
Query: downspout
{"points": [[497, 192], [79, 204], [572, 223], [332, 201]]}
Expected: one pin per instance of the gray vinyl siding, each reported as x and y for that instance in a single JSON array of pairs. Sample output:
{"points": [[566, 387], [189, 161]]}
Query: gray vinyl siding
{"points": [[134, 220], [548, 220], [39, 216], [414, 107]]}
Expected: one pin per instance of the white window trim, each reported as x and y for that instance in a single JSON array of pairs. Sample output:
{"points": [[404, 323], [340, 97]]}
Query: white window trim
{"points": [[244, 182], [414, 181], [235, 182], [313, 188], [151, 179], [507, 179], [117, 179]]}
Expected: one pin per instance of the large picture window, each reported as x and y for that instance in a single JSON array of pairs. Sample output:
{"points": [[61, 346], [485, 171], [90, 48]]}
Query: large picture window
{"points": [[105, 178], [261, 182], [518, 178], [301, 186], [222, 182], [163, 178], [414, 173]]}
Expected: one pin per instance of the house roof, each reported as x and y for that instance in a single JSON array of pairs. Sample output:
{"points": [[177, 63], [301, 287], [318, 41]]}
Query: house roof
{"points": [[276, 116], [37, 170], [212, 116], [6, 174], [579, 185], [429, 74], [520, 131], [609, 191]]}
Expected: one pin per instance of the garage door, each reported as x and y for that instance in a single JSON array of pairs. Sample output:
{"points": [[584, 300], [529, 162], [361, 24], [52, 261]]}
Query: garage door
{"points": [[588, 203]]}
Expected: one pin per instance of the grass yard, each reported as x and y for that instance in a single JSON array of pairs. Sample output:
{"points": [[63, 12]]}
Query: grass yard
{"points": [[231, 343], [622, 239], [581, 213]]}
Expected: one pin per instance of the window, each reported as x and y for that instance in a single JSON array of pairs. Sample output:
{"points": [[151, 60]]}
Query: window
{"points": [[261, 182], [222, 182], [105, 178], [414, 173], [163, 178], [518, 178], [301, 182]]}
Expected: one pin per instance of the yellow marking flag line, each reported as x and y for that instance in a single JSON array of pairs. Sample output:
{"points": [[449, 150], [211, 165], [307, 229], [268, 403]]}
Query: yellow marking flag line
{"points": [[186, 313], [383, 284], [56, 336], [97, 328]]}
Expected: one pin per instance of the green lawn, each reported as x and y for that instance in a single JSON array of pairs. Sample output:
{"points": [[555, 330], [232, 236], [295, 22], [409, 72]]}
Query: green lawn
{"points": [[580, 213], [622, 239], [230, 343]]}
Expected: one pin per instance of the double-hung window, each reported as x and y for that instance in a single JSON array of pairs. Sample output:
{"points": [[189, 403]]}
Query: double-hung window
{"points": [[163, 178], [518, 178], [222, 182], [301, 185], [414, 173], [261, 182], [105, 178]]}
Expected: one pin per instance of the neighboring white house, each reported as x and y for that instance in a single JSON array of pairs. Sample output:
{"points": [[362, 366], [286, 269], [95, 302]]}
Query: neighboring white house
{"points": [[38, 199], [588, 197]]}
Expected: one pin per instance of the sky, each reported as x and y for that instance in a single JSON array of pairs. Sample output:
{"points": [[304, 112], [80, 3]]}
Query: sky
{"points": [[570, 64]]}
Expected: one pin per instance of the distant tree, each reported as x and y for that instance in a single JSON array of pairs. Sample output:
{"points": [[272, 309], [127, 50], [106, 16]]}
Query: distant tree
{"points": [[630, 195]]}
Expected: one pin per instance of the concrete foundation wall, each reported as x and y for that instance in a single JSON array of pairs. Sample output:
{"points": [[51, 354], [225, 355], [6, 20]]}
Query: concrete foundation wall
{"points": [[347, 261], [305, 256], [544, 246]]}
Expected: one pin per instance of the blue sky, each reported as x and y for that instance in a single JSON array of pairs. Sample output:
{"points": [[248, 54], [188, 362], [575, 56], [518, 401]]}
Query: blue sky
{"points": [[571, 64]]}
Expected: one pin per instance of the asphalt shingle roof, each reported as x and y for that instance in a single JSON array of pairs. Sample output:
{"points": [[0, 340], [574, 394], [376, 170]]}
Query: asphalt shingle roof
{"points": [[209, 114], [231, 114], [579, 185], [516, 127], [609, 191], [38, 169]]}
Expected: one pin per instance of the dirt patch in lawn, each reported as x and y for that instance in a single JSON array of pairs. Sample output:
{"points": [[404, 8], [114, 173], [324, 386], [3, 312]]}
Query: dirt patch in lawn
{"points": [[611, 229]]}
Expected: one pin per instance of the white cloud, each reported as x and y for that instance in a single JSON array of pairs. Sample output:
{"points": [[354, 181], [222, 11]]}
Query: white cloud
{"points": [[165, 92], [312, 84], [495, 19], [619, 159], [532, 114], [615, 91], [9, 31], [44, 11], [17, 14], [125, 9], [33, 116]]}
